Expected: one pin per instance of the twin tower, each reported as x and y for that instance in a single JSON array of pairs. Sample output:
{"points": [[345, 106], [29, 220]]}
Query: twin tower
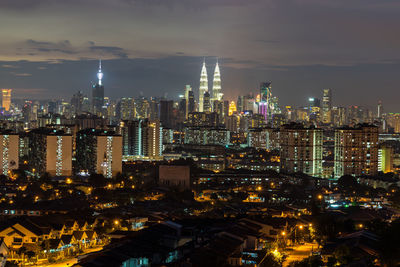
{"points": [[204, 95]]}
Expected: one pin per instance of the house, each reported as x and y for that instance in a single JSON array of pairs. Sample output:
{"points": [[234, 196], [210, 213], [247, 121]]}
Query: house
{"points": [[80, 237], [17, 234], [92, 238], [3, 253]]}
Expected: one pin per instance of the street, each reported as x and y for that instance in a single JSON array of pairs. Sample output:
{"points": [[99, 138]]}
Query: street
{"points": [[299, 252]]}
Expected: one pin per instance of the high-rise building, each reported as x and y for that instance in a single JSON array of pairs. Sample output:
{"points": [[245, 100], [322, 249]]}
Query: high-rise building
{"points": [[385, 158], [77, 103], [142, 138], [203, 86], [301, 149], [232, 108], [152, 139], [379, 110], [127, 108], [98, 151], [206, 102], [166, 113], [356, 150], [131, 131], [9, 152], [327, 106], [6, 99], [217, 90], [50, 151], [188, 93], [98, 94], [259, 137], [206, 136]]}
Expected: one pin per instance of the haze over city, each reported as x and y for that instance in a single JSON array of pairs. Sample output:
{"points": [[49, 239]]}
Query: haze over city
{"points": [[156, 47]]}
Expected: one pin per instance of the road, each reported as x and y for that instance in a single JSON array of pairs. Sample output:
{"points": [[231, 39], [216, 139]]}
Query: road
{"points": [[70, 262], [299, 252]]}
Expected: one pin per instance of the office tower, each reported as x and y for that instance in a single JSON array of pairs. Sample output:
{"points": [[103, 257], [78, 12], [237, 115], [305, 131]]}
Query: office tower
{"points": [[356, 150], [98, 151], [379, 110], [385, 158], [301, 149], [232, 123], [217, 90], [203, 86], [191, 103], [6, 99], [188, 95], [206, 102], [314, 109], [218, 107], [264, 105], [127, 108], [9, 152], [77, 103], [393, 121], [98, 94], [50, 151], [152, 139], [327, 106], [232, 108], [166, 113], [339, 116]]}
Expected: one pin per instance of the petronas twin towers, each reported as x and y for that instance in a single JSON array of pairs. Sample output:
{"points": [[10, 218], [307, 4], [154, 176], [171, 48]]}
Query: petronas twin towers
{"points": [[204, 95]]}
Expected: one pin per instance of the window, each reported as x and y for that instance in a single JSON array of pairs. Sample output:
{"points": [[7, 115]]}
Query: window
{"points": [[17, 240]]}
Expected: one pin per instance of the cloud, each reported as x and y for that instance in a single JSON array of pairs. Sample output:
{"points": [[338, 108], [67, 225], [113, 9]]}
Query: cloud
{"points": [[109, 50], [9, 66], [24, 74]]}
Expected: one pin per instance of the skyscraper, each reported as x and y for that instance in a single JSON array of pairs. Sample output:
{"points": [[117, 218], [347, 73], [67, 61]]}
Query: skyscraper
{"points": [[166, 115], [188, 89], [216, 90], [327, 106], [6, 99], [98, 93], [203, 86], [206, 102], [127, 108]]}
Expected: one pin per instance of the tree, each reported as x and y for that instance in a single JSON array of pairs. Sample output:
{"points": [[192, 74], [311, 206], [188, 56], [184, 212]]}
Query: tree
{"points": [[97, 180], [347, 183]]}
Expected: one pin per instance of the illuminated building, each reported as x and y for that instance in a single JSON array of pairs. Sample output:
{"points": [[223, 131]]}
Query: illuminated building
{"points": [[327, 106], [98, 151], [393, 120], [266, 105], [166, 113], [50, 151], [189, 100], [127, 108], [198, 119], [203, 86], [301, 149], [385, 158], [206, 136], [98, 93], [131, 131], [379, 110], [9, 152], [356, 150], [232, 123], [206, 102], [6, 99], [77, 103], [217, 90], [152, 139], [259, 138], [232, 108]]}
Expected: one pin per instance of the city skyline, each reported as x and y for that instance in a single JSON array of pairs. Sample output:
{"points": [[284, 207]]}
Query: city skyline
{"points": [[319, 45]]}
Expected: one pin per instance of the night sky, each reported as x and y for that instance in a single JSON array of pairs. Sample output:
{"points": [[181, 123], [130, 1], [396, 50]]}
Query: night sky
{"points": [[49, 48]]}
